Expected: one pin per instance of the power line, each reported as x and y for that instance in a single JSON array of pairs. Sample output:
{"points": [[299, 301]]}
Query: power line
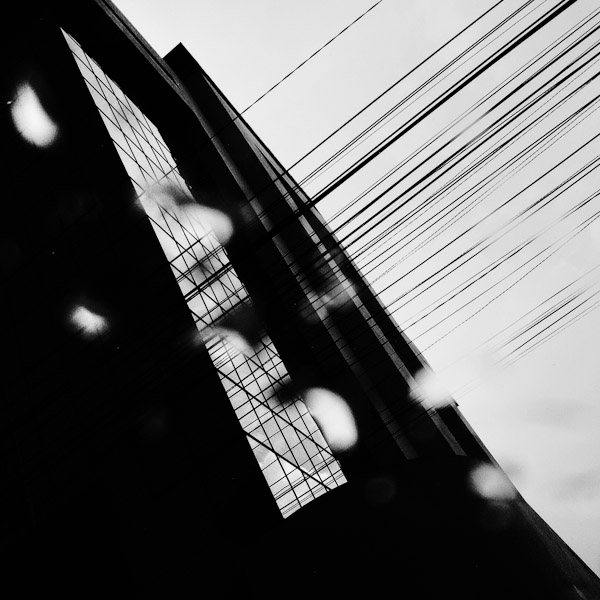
{"points": [[494, 152], [285, 173], [371, 245], [574, 233], [457, 158], [546, 18], [484, 243], [476, 105], [551, 330], [310, 57], [474, 74], [546, 14], [396, 83], [436, 305], [360, 138], [566, 123], [533, 310], [544, 317]]}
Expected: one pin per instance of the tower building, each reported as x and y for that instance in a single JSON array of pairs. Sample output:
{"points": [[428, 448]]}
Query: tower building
{"points": [[180, 325]]}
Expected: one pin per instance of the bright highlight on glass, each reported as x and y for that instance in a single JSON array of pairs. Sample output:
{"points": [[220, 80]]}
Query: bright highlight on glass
{"points": [[192, 231], [491, 483], [235, 339], [90, 324], [430, 389], [31, 120], [210, 219], [333, 416]]}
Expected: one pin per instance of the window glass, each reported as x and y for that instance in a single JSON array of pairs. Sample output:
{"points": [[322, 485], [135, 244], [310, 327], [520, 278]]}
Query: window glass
{"points": [[293, 455]]}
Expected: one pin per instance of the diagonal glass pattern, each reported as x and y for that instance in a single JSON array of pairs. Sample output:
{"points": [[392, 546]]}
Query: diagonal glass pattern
{"points": [[289, 447]]}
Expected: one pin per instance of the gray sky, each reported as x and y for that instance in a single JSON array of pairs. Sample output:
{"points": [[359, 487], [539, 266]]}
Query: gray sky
{"points": [[540, 416]]}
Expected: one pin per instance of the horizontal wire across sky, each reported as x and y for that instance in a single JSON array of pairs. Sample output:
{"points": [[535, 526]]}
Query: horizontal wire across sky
{"points": [[475, 204], [455, 148]]}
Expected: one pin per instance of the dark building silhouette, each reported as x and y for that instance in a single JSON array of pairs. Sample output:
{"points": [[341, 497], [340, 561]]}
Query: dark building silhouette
{"points": [[171, 302]]}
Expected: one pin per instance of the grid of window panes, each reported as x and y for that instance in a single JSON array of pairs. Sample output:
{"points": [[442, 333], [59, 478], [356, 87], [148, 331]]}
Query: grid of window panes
{"points": [[293, 455]]}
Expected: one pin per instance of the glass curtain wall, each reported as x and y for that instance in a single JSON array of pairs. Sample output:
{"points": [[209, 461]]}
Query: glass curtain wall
{"points": [[291, 451]]}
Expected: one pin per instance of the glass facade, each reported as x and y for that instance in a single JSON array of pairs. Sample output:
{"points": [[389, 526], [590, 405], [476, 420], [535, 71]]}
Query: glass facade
{"points": [[289, 447]]}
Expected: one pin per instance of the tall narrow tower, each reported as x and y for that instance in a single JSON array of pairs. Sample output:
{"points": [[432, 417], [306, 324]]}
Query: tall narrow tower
{"points": [[182, 326]]}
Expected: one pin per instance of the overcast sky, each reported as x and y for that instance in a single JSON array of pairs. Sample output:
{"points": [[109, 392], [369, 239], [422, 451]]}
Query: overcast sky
{"points": [[540, 416]]}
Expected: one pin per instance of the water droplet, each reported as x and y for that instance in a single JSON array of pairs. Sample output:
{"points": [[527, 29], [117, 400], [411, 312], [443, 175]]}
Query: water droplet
{"points": [[211, 218], [175, 199], [87, 322], [235, 339], [491, 483], [30, 118], [430, 390], [333, 416]]}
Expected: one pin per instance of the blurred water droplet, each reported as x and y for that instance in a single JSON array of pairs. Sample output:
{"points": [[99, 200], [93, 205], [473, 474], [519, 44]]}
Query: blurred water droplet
{"points": [[87, 322], [430, 390], [211, 218], [235, 339], [30, 118], [333, 416], [176, 199], [491, 483]]}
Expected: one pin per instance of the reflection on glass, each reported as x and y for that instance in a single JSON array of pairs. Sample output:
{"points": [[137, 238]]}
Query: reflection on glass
{"points": [[291, 450]]}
